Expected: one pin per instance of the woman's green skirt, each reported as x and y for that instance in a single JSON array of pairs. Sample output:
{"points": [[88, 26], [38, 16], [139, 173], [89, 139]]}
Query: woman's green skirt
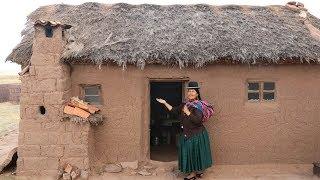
{"points": [[194, 153]]}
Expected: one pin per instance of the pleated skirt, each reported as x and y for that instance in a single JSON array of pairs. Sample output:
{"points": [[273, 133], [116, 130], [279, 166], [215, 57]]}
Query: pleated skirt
{"points": [[194, 153]]}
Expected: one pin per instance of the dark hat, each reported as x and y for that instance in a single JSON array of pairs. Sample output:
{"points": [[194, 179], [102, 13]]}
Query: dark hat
{"points": [[193, 85]]}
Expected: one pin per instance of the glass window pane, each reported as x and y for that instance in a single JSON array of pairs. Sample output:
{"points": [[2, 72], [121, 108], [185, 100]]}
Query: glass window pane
{"points": [[92, 99], [268, 85], [91, 90], [253, 96], [268, 96], [253, 86]]}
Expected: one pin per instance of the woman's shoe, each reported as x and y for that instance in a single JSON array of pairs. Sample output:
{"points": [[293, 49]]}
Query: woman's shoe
{"points": [[192, 178], [199, 175]]}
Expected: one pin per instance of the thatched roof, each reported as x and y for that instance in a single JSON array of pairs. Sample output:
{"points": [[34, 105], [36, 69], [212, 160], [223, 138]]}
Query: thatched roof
{"points": [[177, 34]]}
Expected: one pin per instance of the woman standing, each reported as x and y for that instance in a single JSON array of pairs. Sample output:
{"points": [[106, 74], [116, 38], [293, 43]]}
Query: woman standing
{"points": [[194, 145]]}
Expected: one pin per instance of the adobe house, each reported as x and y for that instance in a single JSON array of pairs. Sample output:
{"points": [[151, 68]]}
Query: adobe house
{"points": [[259, 66]]}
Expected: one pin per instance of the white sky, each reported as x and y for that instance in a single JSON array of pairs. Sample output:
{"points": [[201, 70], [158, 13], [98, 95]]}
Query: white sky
{"points": [[13, 15]]}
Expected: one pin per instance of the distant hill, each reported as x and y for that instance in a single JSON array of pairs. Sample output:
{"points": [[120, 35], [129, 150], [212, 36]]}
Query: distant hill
{"points": [[9, 79]]}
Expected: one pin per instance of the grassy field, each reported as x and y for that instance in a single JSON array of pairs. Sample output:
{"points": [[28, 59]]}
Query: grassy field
{"points": [[9, 117], [9, 79], [9, 113]]}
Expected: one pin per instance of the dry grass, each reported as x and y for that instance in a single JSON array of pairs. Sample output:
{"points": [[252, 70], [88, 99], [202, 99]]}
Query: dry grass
{"points": [[9, 79], [9, 117]]}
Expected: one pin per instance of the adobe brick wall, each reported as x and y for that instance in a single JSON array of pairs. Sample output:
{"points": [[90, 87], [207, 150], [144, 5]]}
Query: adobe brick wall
{"points": [[10, 92], [4, 93], [284, 131], [14, 93], [45, 142]]}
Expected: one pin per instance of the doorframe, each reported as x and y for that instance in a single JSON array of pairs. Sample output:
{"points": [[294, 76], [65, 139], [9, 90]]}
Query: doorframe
{"points": [[145, 123]]}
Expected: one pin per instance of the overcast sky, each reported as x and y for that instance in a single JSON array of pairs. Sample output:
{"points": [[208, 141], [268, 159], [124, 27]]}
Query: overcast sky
{"points": [[13, 15]]}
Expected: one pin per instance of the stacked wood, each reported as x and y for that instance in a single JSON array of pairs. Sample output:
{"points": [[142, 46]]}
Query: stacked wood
{"points": [[76, 102], [24, 70], [79, 108]]}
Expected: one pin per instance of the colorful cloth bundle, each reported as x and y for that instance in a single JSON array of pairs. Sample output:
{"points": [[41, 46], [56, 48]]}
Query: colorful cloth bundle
{"points": [[203, 106]]}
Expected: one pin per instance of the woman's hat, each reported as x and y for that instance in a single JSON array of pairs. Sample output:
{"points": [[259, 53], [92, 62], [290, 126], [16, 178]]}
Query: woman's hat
{"points": [[193, 85]]}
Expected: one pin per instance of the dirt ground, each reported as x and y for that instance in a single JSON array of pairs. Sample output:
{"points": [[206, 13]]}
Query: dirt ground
{"points": [[9, 118], [224, 172], [220, 172]]}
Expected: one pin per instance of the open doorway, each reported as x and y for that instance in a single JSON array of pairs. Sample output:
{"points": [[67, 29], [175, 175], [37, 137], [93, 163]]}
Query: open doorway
{"points": [[164, 127]]}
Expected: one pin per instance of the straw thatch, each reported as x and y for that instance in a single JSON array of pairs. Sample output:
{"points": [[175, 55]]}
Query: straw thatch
{"points": [[177, 34]]}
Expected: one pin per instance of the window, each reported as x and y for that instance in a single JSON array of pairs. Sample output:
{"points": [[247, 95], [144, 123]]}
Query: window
{"points": [[261, 91], [48, 31], [92, 94]]}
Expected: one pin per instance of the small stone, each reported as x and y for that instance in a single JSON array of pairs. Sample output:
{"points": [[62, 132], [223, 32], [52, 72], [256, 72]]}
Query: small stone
{"points": [[132, 165], [74, 175], [66, 176], [148, 166], [132, 173], [78, 171], [303, 14], [68, 168], [113, 168], [144, 173], [60, 173], [164, 169], [176, 172], [84, 174]]}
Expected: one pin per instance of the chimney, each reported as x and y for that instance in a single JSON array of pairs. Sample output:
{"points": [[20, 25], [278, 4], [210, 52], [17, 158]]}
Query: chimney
{"points": [[48, 39], [44, 93]]}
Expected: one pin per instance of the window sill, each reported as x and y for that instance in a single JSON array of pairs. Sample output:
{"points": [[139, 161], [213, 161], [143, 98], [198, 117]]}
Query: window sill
{"points": [[97, 105], [264, 101]]}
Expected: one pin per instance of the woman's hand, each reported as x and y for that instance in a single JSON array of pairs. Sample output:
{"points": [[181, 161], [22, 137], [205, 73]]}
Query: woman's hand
{"points": [[162, 101], [186, 110]]}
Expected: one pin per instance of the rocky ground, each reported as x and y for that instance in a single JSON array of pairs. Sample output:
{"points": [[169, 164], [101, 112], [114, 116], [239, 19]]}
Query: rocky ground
{"points": [[220, 172], [169, 171]]}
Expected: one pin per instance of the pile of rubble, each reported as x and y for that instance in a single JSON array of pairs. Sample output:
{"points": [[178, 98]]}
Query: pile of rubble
{"points": [[69, 172], [143, 168], [79, 111]]}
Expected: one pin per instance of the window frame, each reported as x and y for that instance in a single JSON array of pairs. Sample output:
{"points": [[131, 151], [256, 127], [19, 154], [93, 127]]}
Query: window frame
{"points": [[253, 91], [261, 90], [83, 95]]}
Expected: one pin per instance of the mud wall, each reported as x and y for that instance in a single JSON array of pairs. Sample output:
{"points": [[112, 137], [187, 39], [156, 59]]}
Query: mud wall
{"points": [[241, 132]]}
